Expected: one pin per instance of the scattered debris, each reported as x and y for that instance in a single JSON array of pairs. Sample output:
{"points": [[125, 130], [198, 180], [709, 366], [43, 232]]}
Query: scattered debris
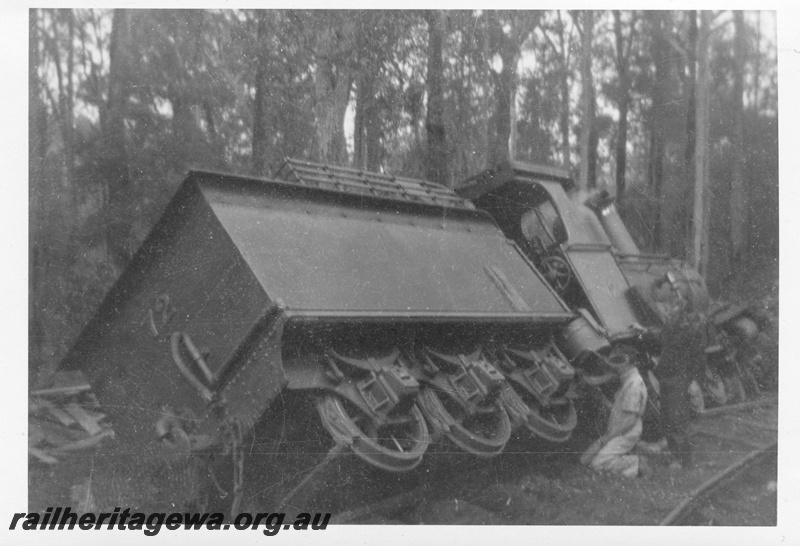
{"points": [[62, 419]]}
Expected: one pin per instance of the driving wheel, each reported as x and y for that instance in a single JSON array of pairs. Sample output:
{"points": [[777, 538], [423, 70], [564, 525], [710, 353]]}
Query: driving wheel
{"points": [[483, 433], [393, 443]]}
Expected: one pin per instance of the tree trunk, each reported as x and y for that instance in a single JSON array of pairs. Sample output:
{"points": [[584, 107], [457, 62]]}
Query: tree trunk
{"points": [[656, 169], [115, 157], [372, 132], [184, 131], [594, 140], [367, 152], [191, 145], [332, 84], [486, 84], [506, 130], [216, 144], [623, 103], [701, 205], [512, 117], [63, 106], [259, 150], [366, 134], [564, 121], [587, 102], [436, 167], [757, 64], [622, 149], [69, 137], [564, 92], [37, 145], [691, 130], [363, 97], [65, 95], [505, 83], [359, 123], [462, 137], [738, 200]]}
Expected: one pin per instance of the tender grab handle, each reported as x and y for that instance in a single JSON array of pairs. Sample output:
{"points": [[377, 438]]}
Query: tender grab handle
{"points": [[175, 341]]}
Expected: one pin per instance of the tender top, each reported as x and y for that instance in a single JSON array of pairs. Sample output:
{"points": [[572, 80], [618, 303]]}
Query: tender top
{"points": [[370, 184]]}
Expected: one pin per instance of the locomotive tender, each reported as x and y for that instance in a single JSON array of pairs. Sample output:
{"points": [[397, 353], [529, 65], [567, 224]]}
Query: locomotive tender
{"points": [[401, 309]]}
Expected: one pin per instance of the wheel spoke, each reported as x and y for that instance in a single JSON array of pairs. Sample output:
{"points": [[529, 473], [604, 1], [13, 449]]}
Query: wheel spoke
{"points": [[482, 433], [555, 423], [396, 446]]}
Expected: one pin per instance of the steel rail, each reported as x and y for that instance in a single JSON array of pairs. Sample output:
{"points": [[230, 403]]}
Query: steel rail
{"points": [[744, 405], [705, 488]]}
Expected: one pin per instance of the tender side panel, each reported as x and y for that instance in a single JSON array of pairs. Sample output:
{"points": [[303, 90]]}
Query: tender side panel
{"points": [[321, 256]]}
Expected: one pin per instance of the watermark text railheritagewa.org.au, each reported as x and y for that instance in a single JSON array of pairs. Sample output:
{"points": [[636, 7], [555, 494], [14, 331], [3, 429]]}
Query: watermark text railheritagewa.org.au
{"points": [[59, 518]]}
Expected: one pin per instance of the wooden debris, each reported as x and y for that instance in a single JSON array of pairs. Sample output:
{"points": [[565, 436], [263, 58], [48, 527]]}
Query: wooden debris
{"points": [[65, 384], [61, 419], [61, 391], [88, 420], [52, 433], [42, 456], [86, 442], [61, 416]]}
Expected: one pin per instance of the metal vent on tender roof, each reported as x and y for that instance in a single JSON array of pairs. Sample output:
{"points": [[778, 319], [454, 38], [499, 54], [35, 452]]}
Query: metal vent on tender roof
{"points": [[359, 182]]}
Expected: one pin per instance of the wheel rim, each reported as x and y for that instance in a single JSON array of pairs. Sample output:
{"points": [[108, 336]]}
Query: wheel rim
{"points": [[554, 424], [397, 445], [484, 434]]}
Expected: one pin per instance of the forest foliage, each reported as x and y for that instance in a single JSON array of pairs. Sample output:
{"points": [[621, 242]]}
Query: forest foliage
{"points": [[123, 103]]}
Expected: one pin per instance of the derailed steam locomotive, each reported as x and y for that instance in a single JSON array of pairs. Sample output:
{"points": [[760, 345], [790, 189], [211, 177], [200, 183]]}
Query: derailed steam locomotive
{"points": [[399, 308], [623, 296]]}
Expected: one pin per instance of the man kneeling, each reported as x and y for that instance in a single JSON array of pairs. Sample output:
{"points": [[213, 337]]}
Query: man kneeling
{"points": [[612, 451]]}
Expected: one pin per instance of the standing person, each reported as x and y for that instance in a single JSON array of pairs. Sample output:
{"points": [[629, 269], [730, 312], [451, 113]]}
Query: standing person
{"points": [[683, 357], [612, 451]]}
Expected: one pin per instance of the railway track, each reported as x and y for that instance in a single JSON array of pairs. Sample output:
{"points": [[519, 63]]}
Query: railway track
{"points": [[746, 489], [724, 498], [732, 481]]}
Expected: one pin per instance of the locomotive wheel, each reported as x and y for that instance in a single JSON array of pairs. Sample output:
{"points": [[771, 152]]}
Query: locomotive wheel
{"points": [[484, 434], [748, 363], [555, 423], [396, 445], [556, 270]]}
